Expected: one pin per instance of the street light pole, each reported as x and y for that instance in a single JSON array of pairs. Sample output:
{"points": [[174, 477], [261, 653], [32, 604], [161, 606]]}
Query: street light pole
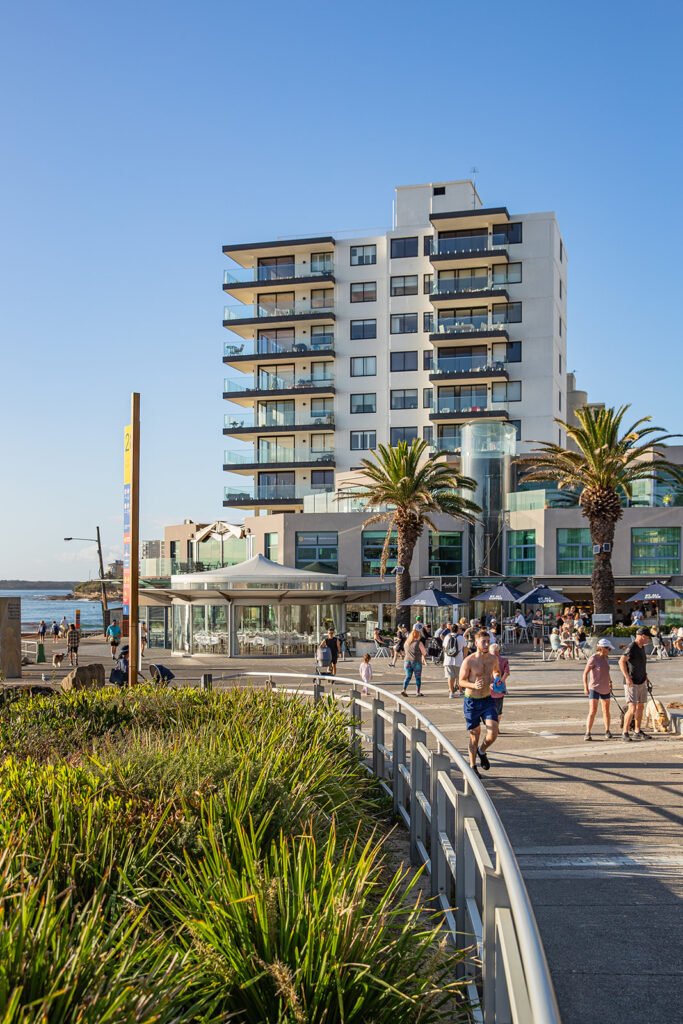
{"points": [[103, 600]]}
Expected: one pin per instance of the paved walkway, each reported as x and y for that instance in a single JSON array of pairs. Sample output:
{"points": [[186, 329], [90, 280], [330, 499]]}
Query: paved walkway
{"points": [[596, 827]]}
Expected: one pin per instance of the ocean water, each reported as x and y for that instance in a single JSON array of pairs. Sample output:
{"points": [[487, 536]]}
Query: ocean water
{"points": [[36, 606]]}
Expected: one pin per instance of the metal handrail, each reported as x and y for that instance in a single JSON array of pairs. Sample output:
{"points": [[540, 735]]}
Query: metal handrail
{"points": [[515, 980]]}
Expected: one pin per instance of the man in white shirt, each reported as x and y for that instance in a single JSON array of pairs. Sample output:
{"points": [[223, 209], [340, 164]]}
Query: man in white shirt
{"points": [[454, 645], [520, 623]]}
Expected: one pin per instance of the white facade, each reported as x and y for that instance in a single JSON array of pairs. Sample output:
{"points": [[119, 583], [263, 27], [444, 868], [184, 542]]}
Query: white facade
{"points": [[468, 269]]}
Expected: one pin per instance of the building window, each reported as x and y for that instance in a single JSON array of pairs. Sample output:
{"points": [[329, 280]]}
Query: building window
{"points": [[321, 262], [560, 327], [507, 351], [275, 268], [322, 444], [559, 400], [407, 434], [507, 391], [506, 313], [364, 291], [521, 552], [404, 323], [574, 552], [561, 251], [402, 247], [317, 551], [439, 190], [560, 287], [372, 542], [363, 255], [363, 329], [427, 359], [404, 285], [510, 273], [322, 336], [363, 440], [445, 554], [364, 403], [322, 479], [428, 434], [427, 243], [404, 398], [428, 322], [427, 398], [363, 366], [560, 362], [655, 550], [427, 282], [270, 546], [403, 361], [507, 234], [517, 424]]}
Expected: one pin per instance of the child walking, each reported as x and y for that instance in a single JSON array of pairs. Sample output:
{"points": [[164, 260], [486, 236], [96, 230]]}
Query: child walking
{"points": [[365, 671]]}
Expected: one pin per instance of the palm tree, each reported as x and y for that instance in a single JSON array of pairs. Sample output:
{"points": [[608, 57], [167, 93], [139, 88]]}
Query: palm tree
{"points": [[603, 469], [415, 488]]}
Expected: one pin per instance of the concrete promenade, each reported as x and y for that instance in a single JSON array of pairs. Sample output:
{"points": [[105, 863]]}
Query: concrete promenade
{"points": [[596, 826]]}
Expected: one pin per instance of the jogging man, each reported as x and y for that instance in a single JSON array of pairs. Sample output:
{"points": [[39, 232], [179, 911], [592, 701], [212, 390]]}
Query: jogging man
{"points": [[113, 635], [633, 665], [476, 676], [596, 673], [453, 652]]}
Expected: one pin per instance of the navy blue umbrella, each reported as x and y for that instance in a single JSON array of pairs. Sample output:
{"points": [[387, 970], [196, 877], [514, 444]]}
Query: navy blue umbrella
{"points": [[656, 592], [500, 593], [544, 595], [431, 599]]}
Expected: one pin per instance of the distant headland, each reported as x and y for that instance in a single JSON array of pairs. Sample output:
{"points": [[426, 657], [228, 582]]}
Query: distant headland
{"points": [[38, 584]]}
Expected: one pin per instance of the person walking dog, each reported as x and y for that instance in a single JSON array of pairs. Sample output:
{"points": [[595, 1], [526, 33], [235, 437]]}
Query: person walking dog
{"points": [[633, 665], [597, 686]]}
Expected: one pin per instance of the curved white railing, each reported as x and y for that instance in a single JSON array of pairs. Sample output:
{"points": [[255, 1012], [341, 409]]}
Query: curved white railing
{"points": [[482, 899]]}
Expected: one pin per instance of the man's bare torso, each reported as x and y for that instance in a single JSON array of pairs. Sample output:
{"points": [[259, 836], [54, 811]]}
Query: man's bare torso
{"points": [[479, 668]]}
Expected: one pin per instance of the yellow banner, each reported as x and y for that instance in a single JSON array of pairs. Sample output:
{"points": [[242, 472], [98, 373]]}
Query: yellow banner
{"points": [[127, 455]]}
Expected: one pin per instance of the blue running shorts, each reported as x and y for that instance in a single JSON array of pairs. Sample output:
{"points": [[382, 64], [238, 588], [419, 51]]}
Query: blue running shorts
{"points": [[479, 709]]}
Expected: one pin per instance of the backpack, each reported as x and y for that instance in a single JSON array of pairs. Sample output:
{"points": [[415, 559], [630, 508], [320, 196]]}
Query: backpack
{"points": [[452, 648]]}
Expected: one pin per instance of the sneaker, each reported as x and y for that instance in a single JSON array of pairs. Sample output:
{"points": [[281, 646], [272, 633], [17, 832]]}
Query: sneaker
{"points": [[451, 696], [625, 736], [475, 770], [608, 734], [587, 738], [641, 735], [404, 693], [485, 763], [418, 694]]}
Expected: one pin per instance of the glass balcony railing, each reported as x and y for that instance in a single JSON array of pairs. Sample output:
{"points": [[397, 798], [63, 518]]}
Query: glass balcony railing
{"points": [[463, 404], [465, 324], [288, 272], [446, 444], [469, 243], [286, 382], [275, 456], [273, 310], [281, 420], [264, 493], [466, 364], [461, 285], [272, 347]]}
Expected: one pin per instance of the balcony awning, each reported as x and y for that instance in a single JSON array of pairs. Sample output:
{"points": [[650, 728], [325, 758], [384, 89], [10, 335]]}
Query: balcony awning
{"points": [[153, 597]]}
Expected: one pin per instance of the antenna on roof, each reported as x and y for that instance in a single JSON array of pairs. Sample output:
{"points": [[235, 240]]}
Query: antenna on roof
{"points": [[474, 182]]}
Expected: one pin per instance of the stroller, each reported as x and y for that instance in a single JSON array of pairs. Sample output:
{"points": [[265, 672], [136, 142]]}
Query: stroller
{"points": [[434, 648]]}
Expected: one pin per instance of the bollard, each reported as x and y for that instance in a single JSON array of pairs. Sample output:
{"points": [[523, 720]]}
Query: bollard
{"points": [[206, 681], [40, 654]]}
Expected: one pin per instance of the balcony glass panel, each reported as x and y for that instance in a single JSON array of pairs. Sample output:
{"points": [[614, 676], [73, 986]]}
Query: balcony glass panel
{"points": [[474, 401], [265, 345], [276, 309], [282, 273], [466, 364], [463, 324], [276, 455], [461, 285], [265, 418], [273, 492], [469, 243], [277, 382]]}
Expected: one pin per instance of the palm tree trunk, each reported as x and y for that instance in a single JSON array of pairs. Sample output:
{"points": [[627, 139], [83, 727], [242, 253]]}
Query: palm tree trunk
{"points": [[405, 543], [602, 578]]}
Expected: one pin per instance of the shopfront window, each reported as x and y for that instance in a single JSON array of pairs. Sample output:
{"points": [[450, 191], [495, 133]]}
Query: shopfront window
{"points": [[372, 542], [445, 554], [574, 552], [317, 551], [655, 550]]}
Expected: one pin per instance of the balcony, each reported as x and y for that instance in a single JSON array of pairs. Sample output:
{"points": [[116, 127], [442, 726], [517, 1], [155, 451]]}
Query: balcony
{"points": [[481, 325], [260, 423], [270, 494], [302, 384], [253, 350], [462, 408], [245, 286], [447, 445], [272, 313], [240, 461], [247, 253], [453, 289], [492, 247], [467, 367]]}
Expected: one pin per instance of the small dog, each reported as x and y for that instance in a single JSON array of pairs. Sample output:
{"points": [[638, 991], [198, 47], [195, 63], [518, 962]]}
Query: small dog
{"points": [[57, 660]]}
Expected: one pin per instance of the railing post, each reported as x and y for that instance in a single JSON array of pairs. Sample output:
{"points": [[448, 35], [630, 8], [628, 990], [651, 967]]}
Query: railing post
{"points": [[465, 807], [269, 683], [317, 692], [377, 738], [206, 681], [494, 987], [416, 785], [398, 759], [356, 741], [437, 763]]}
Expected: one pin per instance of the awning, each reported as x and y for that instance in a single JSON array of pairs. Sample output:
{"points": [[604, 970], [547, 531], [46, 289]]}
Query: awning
{"points": [[164, 598]]}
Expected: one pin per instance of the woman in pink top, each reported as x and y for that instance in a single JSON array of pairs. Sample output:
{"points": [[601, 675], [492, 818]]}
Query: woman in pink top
{"points": [[596, 673]]}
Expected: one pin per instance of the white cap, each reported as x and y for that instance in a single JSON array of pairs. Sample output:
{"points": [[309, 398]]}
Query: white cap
{"points": [[605, 643]]}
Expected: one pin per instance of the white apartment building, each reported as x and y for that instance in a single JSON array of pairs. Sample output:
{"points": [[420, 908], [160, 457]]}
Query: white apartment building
{"points": [[457, 314]]}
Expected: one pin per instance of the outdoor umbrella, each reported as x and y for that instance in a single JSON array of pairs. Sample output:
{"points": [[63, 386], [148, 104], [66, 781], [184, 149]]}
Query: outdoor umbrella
{"points": [[656, 592], [544, 595], [500, 593], [431, 599]]}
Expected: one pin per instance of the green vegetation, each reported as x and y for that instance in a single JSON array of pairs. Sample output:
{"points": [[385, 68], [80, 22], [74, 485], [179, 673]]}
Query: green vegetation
{"points": [[178, 856]]}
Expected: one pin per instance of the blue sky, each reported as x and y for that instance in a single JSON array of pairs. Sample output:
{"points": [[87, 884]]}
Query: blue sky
{"points": [[137, 138]]}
